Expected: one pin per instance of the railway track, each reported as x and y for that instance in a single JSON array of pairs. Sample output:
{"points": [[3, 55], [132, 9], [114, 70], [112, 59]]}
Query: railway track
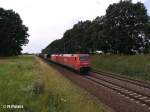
{"points": [[139, 87], [134, 90], [119, 93], [124, 78]]}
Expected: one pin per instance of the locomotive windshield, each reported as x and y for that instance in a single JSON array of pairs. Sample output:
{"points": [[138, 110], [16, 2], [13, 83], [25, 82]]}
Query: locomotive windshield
{"points": [[84, 58]]}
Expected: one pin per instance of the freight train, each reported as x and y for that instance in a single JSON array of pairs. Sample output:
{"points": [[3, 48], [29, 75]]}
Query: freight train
{"points": [[77, 62]]}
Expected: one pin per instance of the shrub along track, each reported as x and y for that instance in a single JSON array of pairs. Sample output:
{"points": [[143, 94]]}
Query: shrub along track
{"points": [[120, 96]]}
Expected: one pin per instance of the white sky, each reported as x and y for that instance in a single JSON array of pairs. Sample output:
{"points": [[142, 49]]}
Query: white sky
{"points": [[47, 20]]}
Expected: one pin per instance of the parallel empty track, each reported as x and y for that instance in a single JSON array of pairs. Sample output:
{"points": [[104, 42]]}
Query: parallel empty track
{"points": [[135, 90]]}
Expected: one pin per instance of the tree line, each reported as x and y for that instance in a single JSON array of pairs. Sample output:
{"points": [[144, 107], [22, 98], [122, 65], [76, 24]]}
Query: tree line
{"points": [[124, 29], [13, 33]]}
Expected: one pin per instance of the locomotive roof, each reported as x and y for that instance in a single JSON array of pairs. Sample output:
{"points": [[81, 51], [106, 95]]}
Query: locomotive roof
{"points": [[70, 55]]}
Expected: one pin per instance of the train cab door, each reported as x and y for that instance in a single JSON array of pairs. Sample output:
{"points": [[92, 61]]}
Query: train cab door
{"points": [[76, 63]]}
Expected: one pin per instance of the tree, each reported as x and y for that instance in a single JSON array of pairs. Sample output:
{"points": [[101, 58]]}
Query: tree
{"points": [[13, 34], [54, 48], [74, 39], [94, 39], [126, 27]]}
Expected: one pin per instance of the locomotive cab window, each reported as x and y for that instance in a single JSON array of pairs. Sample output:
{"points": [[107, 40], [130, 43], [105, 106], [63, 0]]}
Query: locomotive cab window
{"points": [[84, 58]]}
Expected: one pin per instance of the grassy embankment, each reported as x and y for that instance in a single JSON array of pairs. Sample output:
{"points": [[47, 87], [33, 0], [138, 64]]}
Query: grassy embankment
{"points": [[39, 88], [136, 66]]}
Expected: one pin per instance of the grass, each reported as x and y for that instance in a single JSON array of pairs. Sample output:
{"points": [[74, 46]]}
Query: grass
{"points": [[30, 82], [135, 66]]}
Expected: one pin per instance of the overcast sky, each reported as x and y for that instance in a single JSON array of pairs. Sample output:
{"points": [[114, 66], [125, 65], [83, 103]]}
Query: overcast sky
{"points": [[47, 20]]}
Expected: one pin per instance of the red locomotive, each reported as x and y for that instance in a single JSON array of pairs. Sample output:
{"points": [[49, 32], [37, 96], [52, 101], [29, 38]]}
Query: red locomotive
{"points": [[78, 62]]}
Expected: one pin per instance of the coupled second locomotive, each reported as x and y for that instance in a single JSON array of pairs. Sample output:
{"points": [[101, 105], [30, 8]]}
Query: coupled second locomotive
{"points": [[77, 62]]}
